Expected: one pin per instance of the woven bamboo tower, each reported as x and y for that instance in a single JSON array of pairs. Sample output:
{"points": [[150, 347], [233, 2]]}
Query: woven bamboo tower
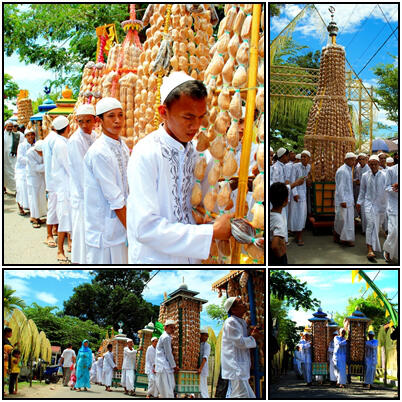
{"points": [[329, 134]]}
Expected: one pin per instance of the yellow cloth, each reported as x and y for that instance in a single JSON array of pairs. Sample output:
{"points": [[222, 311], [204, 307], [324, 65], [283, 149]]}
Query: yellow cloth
{"points": [[15, 368]]}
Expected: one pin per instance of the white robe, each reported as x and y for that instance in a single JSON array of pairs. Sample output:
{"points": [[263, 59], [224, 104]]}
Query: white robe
{"points": [[392, 241], [164, 366], [108, 365], [8, 162], [358, 173], [370, 360], [21, 176], [99, 370], [52, 197], [36, 184], [160, 225], [372, 195], [332, 376], [279, 175], [149, 371], [306, 355], [78, 145], [339, 359], [344, 224], [204, 371], [61, 182], [298, 210], [127, 369], [105, 190], [93, 372]]}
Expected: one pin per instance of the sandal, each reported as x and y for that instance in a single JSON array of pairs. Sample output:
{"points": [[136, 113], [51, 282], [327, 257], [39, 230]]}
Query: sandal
{"points": [[371, 256], [51, 243], [36, 225], [387, 259], [63, 261], [22, 213]]}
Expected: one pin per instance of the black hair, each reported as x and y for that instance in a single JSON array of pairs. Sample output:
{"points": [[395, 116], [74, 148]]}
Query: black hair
{"points": [[278, 193], [69, 345], [7, 330], [110, 346], [15, 352], [62, 130], [195, 89], [21, 127]]}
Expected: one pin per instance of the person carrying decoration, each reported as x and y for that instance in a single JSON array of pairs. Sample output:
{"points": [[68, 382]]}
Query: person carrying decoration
{"points": [[235, 351], [160, 225], [150, 368], [370, 360], [339, 358], [106, 189], [205, 351], [332, 376]]}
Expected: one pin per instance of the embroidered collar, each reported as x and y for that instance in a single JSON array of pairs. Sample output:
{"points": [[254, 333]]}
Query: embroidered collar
{"points": [[171, 142]]}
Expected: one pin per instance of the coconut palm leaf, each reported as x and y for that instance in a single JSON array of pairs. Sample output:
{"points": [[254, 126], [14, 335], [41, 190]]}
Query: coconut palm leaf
{"points": [[10, 302], [35, 346]]}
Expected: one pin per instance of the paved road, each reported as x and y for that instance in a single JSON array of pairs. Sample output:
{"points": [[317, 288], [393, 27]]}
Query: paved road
{"points": [[22, 243], [54, 391], [291, 388], [321, 249]]}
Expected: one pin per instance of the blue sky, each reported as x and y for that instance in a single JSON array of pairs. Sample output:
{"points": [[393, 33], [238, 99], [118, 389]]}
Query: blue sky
{"points": [[334, 287], [52, 287], [362, 30]]}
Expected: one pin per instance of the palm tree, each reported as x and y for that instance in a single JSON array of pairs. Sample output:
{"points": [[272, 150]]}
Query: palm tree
{"points": [[11, 302]]}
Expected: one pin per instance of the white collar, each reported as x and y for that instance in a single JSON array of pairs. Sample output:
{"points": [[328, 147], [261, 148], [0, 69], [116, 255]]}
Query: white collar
{"points": [[169, 140]]}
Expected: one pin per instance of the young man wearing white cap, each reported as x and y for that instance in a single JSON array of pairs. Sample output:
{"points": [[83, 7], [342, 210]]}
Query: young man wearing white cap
{"points": [[205, 351], [361, 168], [35, 176], [391, 243], [150, 368], [382, 157], [20, 171], [344, 225], [10, 145], [235, 350], [106, 189], [128, 367], [339, 358], [165, 365], [61, 181], [373, 196], [370, 358], [78, 145], [109, 365], [298, 200], [160, 225], [390, 162]]}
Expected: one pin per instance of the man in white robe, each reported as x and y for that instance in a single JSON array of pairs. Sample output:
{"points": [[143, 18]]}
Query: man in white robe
{"points": [[150, 368], [391, 243], [361, 168], [51, 219], [332, 376], [298, 200], [370, 360], [99, 370], [127, 369], [109, 366], [279, 174], [339, 358], [235, 349], [160, 225], [165, 365], [61, 181], [106, 189], [306, 354], [93, 373], [372, 194], [20, 171], [205, 351], [289, 172], [344, 225], [35, 173], [10, 145], [78, 145]]}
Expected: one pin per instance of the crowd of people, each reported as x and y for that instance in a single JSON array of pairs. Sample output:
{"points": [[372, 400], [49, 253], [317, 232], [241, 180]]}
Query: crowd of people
{"points": [[366, 192], [337, 358], [115, 205]]}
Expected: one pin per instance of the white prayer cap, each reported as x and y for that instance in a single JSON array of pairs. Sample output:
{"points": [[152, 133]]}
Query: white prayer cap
{"points": [[280, 152], [306, 153], [8, 122], [350, 155], [203, 331], [381, 153], [38, 145], [29, 130], [85, 109], [169, 322], [298, 156], [129, 340], [371, 333], [60, 122], [228, 303], [270, 149], [173, 81], [374, 157], [107, 104], [363, 154], [390, 160], [154, 338]]}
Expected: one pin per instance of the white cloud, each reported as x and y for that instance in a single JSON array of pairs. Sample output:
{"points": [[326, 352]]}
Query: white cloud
{"points": [[344, 279], [30, 72], [313, 278], [20, 286], [388, 290], [46, 297], [48, 273], [301, 317]]}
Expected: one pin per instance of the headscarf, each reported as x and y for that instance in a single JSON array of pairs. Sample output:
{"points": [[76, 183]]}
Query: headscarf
{"points": [[85, 348]]}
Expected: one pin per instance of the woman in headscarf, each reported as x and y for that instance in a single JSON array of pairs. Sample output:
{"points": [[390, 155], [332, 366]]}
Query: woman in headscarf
{"points": [[83, 366]]}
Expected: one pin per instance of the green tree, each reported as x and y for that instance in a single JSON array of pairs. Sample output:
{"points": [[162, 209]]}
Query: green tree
{"points": [[10, 302], [217, 312], [113, 296], [274, 9], [308, 60], [387, 89], [10, 92]]}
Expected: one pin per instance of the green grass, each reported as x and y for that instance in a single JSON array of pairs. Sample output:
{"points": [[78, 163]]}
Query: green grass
{"points": [[24, 384]]}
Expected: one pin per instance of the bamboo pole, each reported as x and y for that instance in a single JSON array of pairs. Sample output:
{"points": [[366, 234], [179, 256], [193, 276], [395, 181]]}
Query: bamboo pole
{"points": [[248, 124]]}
